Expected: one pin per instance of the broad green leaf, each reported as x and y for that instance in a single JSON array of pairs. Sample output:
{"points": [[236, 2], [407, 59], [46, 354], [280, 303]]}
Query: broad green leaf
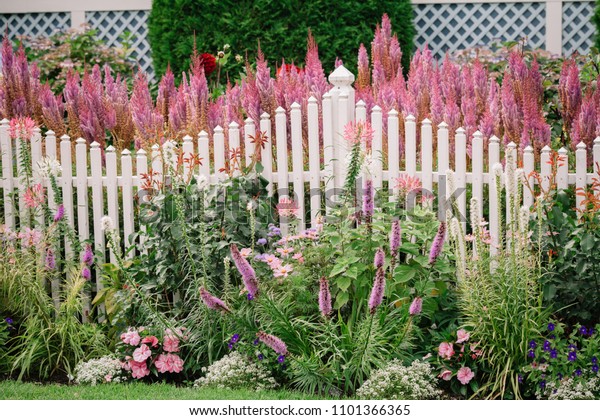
{"points": [[404, 273]]}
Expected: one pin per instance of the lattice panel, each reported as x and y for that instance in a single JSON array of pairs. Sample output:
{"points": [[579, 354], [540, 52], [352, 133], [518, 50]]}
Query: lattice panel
{"points": [[578, 28], [34, 24], [456, 26], [112, 25]]}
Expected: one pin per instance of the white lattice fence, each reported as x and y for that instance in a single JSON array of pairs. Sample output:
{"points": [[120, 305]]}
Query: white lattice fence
{"points": [[578, 29], [112, 25], [34, 24], [448, 27]]}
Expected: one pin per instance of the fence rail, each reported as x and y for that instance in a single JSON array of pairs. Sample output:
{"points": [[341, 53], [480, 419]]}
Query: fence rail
{"points": [[98, 182]]}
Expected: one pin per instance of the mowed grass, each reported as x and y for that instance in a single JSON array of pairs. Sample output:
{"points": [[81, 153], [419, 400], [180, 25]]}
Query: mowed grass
{"points": [[11, 390]]}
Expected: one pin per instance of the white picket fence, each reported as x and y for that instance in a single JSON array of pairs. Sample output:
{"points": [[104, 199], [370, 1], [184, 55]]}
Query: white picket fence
{"points": [[321, 167]]}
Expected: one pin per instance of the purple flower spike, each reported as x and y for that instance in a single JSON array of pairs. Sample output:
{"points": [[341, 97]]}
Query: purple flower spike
{"points": [[378, 291], [246, 271], [416, 306], [60, 213], [368, 204], [379, 258], [324, 297], [212, 302], [438, 244], [395, 237], [88, 256], [273, 342]]}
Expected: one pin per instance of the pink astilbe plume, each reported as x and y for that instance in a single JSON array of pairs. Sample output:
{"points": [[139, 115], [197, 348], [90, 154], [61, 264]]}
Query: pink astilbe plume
{"points": [[324, 297], [378, 291], [363, 81], [273, 342], [166, 93], [438, 244], [314, 75], [584, 126], [468, 105], [52, 110], [569, 91], [246, 271], [148, 122], [250, 96], [212, 302]]}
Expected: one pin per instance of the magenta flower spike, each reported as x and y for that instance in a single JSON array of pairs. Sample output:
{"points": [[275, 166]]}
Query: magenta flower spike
{"points": [[379, 259], [273, 342], [212, 302], [416, 306], [245, 270], [377, 291], [438, 244], [324, 297], [395, 237]]}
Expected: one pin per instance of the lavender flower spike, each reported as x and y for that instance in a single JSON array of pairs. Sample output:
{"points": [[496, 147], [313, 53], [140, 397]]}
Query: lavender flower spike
{"points": [[88, 256], [50, 260], [416, 306], [86, 273], [212, 302], [60, 213], [368, 201], [438, 243], [325, 297], [379, 258], [378, 290], [246, 271], [273, 342], [395, 238]]}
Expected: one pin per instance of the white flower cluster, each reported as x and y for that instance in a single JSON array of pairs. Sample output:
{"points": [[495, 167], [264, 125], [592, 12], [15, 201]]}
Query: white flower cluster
{"points": [[48, 167], [398, 382], [95, 371], [569, 389], [235, 371]]}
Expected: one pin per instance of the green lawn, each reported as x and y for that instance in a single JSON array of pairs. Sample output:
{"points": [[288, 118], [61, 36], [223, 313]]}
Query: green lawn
{"points": [[11, 390]]}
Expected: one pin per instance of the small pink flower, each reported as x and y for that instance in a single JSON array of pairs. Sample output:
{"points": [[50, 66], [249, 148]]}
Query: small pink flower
{"points": [[298, 257], [108, 378], [245, 252], [142, 353], [131, 337], [21, 128], [464, 375], [446, 350], [171, 343], [416, 306], [34, 196], [283, 270], [287, 208], [176, 363], [152, 340], [138, 369], [446, 375], [285, 252], [272, 261], [462, 336]]}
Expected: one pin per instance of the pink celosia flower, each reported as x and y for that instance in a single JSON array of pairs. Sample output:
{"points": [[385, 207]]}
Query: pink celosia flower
{"points": [[142, 353], [462, 336], [438, 244], [446, 350], [464, 375], [212, 302], [273, 342], [170, 343], [245, 252], [283, 270], [131, 337], [324, 297], [446, 375], [34, 196], [138, 369], [245, 270], [416, 306], [377, 291], [152, 340]]}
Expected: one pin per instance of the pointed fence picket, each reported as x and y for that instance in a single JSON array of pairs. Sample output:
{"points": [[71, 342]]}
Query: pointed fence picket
{"points": [[96, 182]]}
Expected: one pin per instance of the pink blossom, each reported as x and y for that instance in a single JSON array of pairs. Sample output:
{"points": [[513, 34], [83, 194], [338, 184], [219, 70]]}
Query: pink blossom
{"points": [[416, 306], [272, 261], [138, 369], [108, 378], [464, 375], [34, 196], [359, 132], [283, 270], [446, 375], [245, 252], [212, 302], [245, 270], [438, 243], [169, 363], [298, 257], [152, 340], [446, 350], [131, 337], [287, 208], [462, 336], [171, 343], [285, 252], [30, 237], [142, 353], [21, 128]]}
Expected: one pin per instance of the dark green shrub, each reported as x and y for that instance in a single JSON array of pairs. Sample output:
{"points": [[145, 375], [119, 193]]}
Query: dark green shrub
{"points": [[281, 27], [596, 20]]}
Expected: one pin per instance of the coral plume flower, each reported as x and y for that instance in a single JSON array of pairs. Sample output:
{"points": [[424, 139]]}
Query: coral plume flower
{"points": [[209, 62]]}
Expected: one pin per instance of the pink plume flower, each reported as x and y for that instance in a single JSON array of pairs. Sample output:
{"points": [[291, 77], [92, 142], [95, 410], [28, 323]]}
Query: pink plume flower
{"points": [[273, 342], [324, 297], [416, 306], [245, 270], [212, 302], [377, 291], [34, 196], [50, 260], [438, 244], [379, 259]]}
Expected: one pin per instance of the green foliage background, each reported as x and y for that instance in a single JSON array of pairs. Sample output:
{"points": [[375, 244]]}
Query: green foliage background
{"points": [[281, 27]]}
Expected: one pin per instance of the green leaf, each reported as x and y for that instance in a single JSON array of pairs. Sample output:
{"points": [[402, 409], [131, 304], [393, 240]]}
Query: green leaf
{"points": [[587, 242], [339, 268], [341, 299], [343, 283], [404, 273]]}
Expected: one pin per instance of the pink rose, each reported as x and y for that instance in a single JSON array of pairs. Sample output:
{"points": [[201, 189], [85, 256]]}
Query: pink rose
{"points": [[462, 336], [152, 340], [138, 369], [446, 350], [142, 353], [171, 344], [446, 375], [465, 375]]}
